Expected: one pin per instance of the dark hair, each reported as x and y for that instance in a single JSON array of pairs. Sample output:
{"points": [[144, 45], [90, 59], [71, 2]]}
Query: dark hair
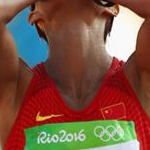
{"points": [[107, 30]]}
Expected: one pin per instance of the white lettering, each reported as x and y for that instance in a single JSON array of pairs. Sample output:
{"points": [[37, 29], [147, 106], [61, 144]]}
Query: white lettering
{"points": [[62, 136]]}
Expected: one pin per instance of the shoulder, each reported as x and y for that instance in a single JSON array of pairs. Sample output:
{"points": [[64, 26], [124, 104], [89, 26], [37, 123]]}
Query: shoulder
{"points": [[12, 88], [132, 73], [24, 80], [31, 80]]}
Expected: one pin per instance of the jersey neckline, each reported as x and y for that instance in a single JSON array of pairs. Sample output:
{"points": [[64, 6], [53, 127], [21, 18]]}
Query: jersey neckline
{"points": [[94, 100]]}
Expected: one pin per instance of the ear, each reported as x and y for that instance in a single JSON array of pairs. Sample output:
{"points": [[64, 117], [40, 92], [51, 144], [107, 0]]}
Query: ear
{"points": [[113, 11], [36, 18]]}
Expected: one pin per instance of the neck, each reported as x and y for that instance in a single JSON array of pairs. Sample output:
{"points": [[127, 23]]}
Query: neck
{"points": [[77, 72], [78, 64]]}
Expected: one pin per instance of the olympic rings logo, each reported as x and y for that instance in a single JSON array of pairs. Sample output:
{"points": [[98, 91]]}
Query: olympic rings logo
{"points": [[106, 134]]}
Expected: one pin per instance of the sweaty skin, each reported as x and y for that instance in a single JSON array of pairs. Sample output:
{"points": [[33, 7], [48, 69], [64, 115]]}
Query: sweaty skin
{"points": [[75, 35]]}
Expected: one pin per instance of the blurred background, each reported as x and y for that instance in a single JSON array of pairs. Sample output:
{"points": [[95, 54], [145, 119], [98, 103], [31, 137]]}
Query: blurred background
{"points": [[30, 47], [121, 43]]}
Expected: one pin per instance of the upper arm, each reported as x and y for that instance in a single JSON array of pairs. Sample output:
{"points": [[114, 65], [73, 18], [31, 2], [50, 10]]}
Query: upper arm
{"points": [[143, 47], [9, 62], [9, 66]]}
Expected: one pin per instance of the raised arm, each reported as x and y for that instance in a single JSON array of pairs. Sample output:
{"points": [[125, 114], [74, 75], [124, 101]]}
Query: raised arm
{"points": [[9, 61], [142, 53]]}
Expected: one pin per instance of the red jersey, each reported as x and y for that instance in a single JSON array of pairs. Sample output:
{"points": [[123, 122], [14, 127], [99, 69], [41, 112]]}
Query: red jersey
{"points": [[115, 100]]}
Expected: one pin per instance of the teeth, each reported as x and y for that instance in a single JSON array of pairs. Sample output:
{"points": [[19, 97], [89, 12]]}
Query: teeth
{"points": [[104, 2]]}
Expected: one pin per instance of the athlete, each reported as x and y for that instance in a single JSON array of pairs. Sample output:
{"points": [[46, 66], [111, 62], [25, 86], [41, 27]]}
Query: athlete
{"points": [[80, 97]]}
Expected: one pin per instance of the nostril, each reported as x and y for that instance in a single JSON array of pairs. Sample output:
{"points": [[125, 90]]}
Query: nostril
{"points": [[104, 3]]}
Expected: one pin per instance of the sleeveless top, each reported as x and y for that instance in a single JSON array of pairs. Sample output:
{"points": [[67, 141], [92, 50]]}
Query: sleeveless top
{"points": [[114, 102]]}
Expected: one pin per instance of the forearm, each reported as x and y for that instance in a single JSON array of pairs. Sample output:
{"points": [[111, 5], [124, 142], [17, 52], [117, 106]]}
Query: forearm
{"points": [[10, 8], [140, 7]]}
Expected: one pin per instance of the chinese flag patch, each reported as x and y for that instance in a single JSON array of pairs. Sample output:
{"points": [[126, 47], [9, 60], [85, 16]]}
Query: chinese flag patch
{"points": [[114, 112]]}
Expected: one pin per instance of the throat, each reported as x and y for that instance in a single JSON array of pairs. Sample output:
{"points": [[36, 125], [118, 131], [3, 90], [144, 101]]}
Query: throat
{"points": [[78, 80]]}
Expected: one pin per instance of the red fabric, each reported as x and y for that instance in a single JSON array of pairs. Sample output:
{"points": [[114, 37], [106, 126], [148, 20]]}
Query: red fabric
{"points": [[114, 100]]}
